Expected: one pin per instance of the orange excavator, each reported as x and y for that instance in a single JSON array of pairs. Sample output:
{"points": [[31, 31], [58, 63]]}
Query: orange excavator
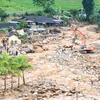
{"points": [[84, 47]]}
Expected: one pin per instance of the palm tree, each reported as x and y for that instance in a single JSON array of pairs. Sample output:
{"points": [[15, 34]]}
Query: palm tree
{"points": [[4, 67], [23, 61], [14, 69]]}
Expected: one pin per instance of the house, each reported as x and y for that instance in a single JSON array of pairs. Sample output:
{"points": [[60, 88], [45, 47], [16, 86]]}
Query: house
{"points": [[29, 19], [47, 21], [13, 39], [8, 25]]}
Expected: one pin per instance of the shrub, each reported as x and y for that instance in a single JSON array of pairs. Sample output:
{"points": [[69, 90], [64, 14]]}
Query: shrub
{"points": [[82, 17], [95, 19], [3, 14], [4, 30], [23, 24], [15, 19], [68, 14], [26, 13], [65, 20], [50, 10], [10, 28], [73, 12], [18, 27], [39, 13], [92, 19], [14, 14]]}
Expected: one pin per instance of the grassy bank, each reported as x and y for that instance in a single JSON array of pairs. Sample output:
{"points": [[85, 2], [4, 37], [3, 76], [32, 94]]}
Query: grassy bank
{"points": [[19, 6]]}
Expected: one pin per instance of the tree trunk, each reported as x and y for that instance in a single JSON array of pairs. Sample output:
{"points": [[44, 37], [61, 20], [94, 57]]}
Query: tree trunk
{"points": [[5, 87], [18, 81], [11, 82], [23, 77]]}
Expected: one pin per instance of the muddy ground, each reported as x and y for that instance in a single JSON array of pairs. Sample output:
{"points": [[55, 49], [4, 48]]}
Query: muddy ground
{"points": [[61, 73]]}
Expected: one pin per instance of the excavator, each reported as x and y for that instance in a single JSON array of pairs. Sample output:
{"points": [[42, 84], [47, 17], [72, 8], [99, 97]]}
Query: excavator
{"points": [[84, 48]]}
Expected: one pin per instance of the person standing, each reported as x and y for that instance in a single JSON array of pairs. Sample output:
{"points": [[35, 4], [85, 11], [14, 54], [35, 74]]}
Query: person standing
{"points": [[0, 51], [16, 53]]}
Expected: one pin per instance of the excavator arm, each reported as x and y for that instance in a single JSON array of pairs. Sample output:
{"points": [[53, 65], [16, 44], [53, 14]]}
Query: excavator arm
{"points": [[84, 47], [77, 32]]}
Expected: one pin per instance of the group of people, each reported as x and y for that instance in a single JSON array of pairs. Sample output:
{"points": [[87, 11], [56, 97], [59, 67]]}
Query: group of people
{"points": [[7, 49]]}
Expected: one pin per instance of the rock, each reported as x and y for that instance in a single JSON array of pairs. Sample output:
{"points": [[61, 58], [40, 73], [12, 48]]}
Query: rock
{"points": [[30, 84], [27, 50], [30, 47], [23, 52], [45, 41], [39, 50], [20, 96], [45, 48], [37, 44]]}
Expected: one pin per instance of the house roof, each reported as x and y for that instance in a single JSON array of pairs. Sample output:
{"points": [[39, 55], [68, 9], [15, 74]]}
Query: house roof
{"points": [[8, 25], [10, 34], [28, 18], [44, 19], [15, 22]]}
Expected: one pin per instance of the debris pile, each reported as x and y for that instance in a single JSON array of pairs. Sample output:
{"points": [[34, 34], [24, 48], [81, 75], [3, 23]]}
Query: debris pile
{"points": [[68, 58], [75, 62], [44, 88]]}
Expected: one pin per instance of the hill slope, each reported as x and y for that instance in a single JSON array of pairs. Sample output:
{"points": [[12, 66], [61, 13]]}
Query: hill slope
{"points": [[28, 6]]}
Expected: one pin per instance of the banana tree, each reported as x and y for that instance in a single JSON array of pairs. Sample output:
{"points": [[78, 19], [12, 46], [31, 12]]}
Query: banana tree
{"points": [[23, 61]]}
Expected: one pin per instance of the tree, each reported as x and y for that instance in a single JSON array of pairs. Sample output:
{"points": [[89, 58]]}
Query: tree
{"points": [[23, 65], [14, 69], [44, 3], [98, 20], [3, 14], [4, 67], [95, 19], [22, 24], [88, 7]]}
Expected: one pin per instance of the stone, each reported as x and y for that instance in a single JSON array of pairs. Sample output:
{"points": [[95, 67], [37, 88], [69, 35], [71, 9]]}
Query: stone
{"points": [[39, 50], [23, 52], [45, 41], [27, 50]]}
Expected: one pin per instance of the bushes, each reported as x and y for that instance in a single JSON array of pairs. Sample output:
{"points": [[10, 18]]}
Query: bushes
{"points": [[50, 10], [68, 14], [39, 13], [95, 19], [4, 30], [74, 12], [22, 25], [3, 14]]}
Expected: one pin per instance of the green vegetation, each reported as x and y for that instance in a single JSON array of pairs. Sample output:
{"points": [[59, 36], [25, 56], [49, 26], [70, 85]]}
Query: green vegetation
{"points": [[44, 3], [95, 19], [3, 14], [14, 66], [22, 6], [89, 7], [22, 25]]}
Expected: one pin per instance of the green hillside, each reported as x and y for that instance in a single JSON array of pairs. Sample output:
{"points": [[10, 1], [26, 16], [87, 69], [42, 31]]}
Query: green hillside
{"points": [[28, 6]]}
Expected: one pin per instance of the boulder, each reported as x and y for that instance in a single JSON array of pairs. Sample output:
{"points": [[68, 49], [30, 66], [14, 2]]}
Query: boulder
{"points": [[38, 49], [27, 50], [23, 52]]}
